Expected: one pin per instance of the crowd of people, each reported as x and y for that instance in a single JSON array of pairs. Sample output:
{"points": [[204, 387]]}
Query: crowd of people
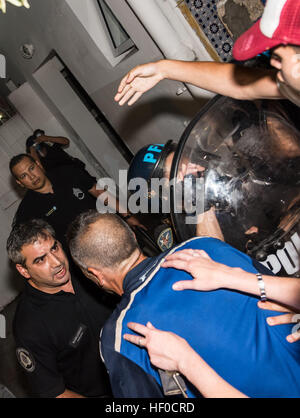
{"points": [[202, 309]]}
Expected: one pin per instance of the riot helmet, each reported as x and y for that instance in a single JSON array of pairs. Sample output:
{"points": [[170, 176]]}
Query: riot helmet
{"points": [[149, 161], [251, 155], [149, 164]]}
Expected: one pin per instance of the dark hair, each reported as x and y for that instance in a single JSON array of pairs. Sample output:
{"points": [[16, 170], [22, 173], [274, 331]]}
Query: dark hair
{"points": [[107, 246], [17, 159], [24, 234]]}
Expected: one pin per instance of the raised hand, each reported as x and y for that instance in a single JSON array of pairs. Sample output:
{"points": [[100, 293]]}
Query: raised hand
{"points": [[139, 80], [18, 3]]}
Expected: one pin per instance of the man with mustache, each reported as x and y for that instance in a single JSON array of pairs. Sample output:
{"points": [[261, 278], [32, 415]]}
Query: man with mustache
{"points": [[57, 323]]}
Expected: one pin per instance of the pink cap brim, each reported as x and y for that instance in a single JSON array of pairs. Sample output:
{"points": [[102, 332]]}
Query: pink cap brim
{"points": [[252, 43]]}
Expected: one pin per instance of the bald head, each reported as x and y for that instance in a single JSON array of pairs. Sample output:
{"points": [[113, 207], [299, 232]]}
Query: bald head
{"points": [[100, 240]]}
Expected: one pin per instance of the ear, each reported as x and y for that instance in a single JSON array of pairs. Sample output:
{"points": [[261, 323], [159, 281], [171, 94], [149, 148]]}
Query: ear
{"points": [[135, 238], [95, 275], [23, 271], [19, 183]]}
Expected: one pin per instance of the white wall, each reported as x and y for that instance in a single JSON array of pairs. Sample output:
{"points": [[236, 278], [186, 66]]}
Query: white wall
{"points": [[83, 123], [12, 141], [38, 115], [52, 25]]}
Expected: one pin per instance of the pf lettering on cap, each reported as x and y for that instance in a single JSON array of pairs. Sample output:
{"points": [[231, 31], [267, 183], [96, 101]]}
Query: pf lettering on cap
{"points": [[154, 148], [149, 158]]}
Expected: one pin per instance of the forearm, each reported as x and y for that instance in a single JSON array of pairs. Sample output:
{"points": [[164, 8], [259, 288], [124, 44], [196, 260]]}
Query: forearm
{"points": [[57, 140], [226, 79], [284, 290], [208, 225], [205, 379]]}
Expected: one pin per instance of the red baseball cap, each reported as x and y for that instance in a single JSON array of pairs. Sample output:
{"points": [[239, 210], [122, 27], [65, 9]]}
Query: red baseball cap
{"points": [[279, 24]]}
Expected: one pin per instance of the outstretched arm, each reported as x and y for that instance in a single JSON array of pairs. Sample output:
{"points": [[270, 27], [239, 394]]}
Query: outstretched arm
{"points": [[210, 275], [168, 351], [231, 80]]}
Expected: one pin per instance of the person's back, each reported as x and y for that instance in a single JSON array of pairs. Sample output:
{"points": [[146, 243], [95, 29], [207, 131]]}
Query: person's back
{"points": [[226, 328]]}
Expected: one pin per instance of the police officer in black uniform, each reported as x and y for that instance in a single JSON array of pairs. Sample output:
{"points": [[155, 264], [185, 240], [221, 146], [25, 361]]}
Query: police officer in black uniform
{"points": [[57, 197], [57, 324]]}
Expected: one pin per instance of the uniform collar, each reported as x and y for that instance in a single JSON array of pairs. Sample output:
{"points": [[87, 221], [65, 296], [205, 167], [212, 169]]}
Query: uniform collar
{"points": [[135, 277], [51, 177], [32, 291]]}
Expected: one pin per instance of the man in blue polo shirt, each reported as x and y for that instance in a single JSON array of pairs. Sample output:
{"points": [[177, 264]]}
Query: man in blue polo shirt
{"points": [[226, 328]]}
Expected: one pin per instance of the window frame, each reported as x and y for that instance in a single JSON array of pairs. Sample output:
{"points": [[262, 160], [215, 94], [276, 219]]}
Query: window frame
{"points": [[127, 45]]}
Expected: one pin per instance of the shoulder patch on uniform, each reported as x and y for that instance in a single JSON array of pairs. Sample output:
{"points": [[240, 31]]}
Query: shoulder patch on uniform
{"points": [[25, 359], [78, 193], [165, 240]]}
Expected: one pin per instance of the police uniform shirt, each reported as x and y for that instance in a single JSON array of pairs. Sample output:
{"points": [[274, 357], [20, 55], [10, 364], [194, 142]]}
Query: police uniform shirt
{"points": [[55, 156], [225, 327], [57, 340], [70, 197]]}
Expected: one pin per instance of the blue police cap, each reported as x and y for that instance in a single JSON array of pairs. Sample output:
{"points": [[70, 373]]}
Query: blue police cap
{"points": [[146, 163]]}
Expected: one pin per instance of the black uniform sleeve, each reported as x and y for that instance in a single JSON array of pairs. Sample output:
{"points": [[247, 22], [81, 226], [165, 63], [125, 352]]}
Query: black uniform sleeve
{"points": [[37, 356], [56, 146], [26, 210], [75, 174], [128, 380]]}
